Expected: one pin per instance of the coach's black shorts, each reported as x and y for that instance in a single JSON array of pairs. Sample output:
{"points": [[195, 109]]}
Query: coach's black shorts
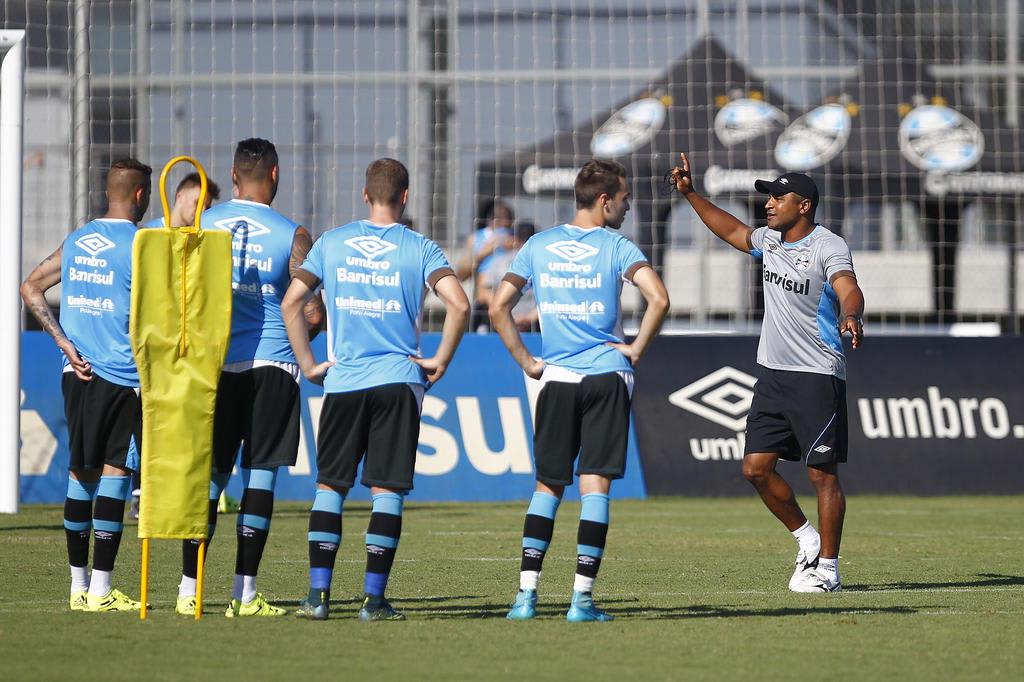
{"points": [[589, 419], [102, 417], [259, 407], [798, 416], [382, 423]]}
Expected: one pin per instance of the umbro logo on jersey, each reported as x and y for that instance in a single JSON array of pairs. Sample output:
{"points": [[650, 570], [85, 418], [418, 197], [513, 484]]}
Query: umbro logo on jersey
{"points": [[572, 250], [241, 228], [94, 243], [822, 449], [723, 397], [370, 246]]}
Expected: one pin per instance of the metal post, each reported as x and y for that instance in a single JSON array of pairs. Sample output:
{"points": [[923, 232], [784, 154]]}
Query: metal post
{"points": [[415, 124], [1012, 62], [142, 68], [82, 116], [178, 133], [12, 114]]}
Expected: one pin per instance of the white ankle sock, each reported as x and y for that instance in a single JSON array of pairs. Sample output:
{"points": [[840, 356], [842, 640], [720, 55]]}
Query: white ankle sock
{"points": [[99, 584], [187, 587], [244, 589], [79, 578], [808, 538], [583, 584], [528, 580], [830, 565]]}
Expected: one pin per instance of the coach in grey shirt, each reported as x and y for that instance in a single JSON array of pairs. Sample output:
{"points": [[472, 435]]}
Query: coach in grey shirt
{"points": [[798, 413]]}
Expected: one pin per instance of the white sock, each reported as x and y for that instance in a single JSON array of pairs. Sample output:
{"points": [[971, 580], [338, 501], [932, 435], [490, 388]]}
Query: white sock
{"points": [[99, 584], [187, 587], [830, 565], [808, 538], [583, 584], [244, 589], [79, 578], [528, 580]]}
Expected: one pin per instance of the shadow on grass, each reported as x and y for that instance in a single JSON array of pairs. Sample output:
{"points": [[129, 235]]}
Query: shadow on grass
{"points": [[469, 611], [42, 526], [985, 580]]}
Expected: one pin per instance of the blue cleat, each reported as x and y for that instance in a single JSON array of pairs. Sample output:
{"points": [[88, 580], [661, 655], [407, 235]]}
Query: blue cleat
{"points": [[378, 608], [525, 606], [316, 606], [583, 610]]}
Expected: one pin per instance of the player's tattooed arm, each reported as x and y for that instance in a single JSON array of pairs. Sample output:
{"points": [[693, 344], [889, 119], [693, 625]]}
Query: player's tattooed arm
{"points": [[851, 304], [302, 242], [723, 224], [313, 310], [33, 293]]}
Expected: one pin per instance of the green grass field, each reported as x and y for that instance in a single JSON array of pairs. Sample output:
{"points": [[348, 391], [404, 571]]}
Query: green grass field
{"points": [[934, 589]]}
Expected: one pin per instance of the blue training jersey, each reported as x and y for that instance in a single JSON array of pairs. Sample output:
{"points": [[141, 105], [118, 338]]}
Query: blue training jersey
{"points": [[577, 276], [261, 246], [96, 292], [375, 279], [155, 222]]}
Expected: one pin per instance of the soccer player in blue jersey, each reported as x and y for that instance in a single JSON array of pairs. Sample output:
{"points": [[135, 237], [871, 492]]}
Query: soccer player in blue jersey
{"points": [[586, 370], [258, 395], [375, 274], [186, 196], [100, 381]]}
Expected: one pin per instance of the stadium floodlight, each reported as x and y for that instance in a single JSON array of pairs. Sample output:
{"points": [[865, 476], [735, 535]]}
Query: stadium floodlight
{"points": [[12, 111]]}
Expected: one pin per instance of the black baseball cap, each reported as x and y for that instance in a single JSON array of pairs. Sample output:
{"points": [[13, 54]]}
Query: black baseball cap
{"points": [[797, 183]]}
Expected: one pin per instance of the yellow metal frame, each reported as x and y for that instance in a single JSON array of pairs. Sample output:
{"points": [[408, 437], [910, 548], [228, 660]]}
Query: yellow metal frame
{"points": [[190, 230]]}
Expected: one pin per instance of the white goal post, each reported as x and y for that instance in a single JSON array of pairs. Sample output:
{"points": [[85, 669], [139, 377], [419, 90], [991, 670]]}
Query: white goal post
{"points": [[12, 111]]}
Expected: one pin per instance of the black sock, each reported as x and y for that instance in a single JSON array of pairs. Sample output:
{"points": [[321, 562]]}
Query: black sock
{"points": [[108, 520]]}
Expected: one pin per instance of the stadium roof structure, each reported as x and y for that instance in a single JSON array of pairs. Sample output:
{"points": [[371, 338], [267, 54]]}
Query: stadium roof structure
{"points": [[646, 132]]}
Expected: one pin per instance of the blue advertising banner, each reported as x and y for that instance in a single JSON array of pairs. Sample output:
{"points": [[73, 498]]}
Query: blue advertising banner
{"points": [[476, 432]]}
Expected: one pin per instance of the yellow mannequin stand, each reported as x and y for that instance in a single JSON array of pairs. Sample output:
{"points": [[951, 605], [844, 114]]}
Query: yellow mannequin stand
{"points": [[180, 326]]}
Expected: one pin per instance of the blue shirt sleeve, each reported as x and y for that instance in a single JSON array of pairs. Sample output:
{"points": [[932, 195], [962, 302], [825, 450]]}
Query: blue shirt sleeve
{"points": [[314, 263], [627, 255], [433, 259], [522, 263]]}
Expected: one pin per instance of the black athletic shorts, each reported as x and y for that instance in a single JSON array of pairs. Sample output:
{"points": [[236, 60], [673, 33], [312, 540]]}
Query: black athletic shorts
{"points": [[102, 417], [798, 416], [589, 419], [382, 423], [260, 408]]}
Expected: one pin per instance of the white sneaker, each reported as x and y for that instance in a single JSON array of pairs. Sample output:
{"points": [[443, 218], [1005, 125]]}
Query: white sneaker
{"points": [[804, 563], [817, 580]]}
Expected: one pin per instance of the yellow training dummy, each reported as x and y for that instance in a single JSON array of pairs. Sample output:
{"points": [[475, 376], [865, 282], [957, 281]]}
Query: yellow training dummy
{"points": [[180, 326]]}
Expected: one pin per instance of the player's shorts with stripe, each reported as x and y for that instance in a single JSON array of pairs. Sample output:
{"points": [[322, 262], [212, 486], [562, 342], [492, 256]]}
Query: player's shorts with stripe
{"points": [[381, 423], [590, 419], [260, 408], [103, 418], [798, 416]]}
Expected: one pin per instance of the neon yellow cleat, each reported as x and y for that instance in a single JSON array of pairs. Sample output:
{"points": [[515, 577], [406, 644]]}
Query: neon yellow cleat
{"points": [[186, 606], [78, 601], [257, 607], [115, 600]]}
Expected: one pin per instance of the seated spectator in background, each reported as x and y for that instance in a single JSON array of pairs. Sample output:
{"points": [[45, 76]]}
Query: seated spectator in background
{"points": [[488, 278], [491, 239]]}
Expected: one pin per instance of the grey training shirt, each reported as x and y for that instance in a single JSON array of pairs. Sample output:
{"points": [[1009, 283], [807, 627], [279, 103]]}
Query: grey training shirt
{"points": [[800, 331]]}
